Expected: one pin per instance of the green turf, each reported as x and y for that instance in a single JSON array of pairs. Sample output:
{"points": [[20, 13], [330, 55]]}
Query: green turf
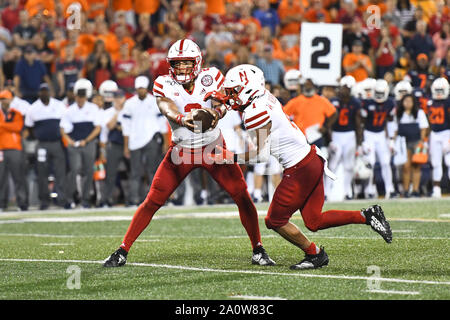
{"points": [[219, 249]]}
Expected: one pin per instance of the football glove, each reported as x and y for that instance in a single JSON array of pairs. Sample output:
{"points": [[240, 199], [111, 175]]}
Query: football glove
{"points": [[217, 96]]}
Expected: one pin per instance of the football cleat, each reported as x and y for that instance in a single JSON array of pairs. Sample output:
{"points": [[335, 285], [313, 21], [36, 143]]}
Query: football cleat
{"points": [[117, 259], [375, 218], [260, 257], [312, 261]]}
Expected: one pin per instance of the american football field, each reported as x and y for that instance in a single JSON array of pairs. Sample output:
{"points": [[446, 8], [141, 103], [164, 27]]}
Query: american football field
{"points": [[204, 253]]}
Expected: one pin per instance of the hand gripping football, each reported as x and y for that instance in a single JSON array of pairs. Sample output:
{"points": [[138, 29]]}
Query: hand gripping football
{"points": [[202, 119]]}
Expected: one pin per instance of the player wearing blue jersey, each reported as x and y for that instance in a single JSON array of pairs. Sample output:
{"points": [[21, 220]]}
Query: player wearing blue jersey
{"points": [[438, 112], [346, 134], [377, 112]]}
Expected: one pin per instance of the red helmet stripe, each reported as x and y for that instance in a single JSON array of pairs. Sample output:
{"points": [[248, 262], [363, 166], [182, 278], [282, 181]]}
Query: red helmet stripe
{"points": [[181, 45]]}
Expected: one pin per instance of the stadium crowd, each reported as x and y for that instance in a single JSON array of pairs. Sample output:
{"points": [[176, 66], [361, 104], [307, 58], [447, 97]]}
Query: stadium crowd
{"points": [[56, 54]]}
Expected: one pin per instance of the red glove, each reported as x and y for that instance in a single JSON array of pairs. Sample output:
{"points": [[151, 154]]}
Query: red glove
{"points": [[217, 96]]}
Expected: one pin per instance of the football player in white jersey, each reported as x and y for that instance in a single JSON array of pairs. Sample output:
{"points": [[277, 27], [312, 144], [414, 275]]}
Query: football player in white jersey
{"points": [[185, 89], [301, 187]]}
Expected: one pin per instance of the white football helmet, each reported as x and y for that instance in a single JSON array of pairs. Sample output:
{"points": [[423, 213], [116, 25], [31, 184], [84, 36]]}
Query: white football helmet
{"points": [[242, 84], [347, 81], [357, 90], [183, 50], [401, 88], [440, 89], [368, 88], [83, 84], [107, 88], [362, 169], [381, 91], [291, 79]]}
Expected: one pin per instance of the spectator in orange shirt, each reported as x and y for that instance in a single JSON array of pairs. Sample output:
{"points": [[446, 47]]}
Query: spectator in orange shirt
{"points": [[73, 39], [216, 7], [97, 8], [356, 63], [428, 6], [246, 15], [121, 35], [58, 42], [289, 56], [291, 16], [125, 7], [39, 6], [11, 154], [317, 13], [109, 39], [313, 113]]}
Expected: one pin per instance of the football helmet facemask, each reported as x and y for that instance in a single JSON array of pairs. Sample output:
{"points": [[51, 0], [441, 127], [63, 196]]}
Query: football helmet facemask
{"points": [[242, 85], [381, 91], [440, 89], [179, 54], [401, 88]]}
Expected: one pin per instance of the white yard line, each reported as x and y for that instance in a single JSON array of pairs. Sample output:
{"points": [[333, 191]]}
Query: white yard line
{"points": [[245, 297], [304, 275], [445, 215], [394, 292], [316, 235], [199, 215]]}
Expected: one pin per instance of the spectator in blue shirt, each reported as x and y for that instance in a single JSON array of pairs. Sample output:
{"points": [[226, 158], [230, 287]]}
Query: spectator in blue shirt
{"points": [[421, 42], [267, 16], [29, 73], [273, 68]]}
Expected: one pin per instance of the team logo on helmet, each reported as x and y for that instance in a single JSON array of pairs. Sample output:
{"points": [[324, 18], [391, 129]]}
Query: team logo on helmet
{"points": [[207, 80]]}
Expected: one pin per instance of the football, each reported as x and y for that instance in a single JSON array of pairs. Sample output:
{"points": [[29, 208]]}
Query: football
{"points": [[204, 118]]}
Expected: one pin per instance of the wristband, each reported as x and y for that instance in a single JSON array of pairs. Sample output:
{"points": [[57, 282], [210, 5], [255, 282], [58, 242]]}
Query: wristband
{"points": [[235, 158], [179, 119]]}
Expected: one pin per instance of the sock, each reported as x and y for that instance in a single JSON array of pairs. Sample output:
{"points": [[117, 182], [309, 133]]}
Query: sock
{"points": [[364, 216], [312, 249], [334, 218], [249, 217], [140, 221]]}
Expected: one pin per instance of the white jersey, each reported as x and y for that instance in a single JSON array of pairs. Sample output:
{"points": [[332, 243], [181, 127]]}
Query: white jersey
{"points": [[210, 79], [287, 143]]}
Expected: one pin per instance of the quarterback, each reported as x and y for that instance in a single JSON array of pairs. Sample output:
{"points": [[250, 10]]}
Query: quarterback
{"points": [[178, 96], [301, 187]]}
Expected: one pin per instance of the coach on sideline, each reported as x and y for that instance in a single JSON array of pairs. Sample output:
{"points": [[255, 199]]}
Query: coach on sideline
{"points": [[143, 127], [80, 126], [42, 120], [11, 154]]}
